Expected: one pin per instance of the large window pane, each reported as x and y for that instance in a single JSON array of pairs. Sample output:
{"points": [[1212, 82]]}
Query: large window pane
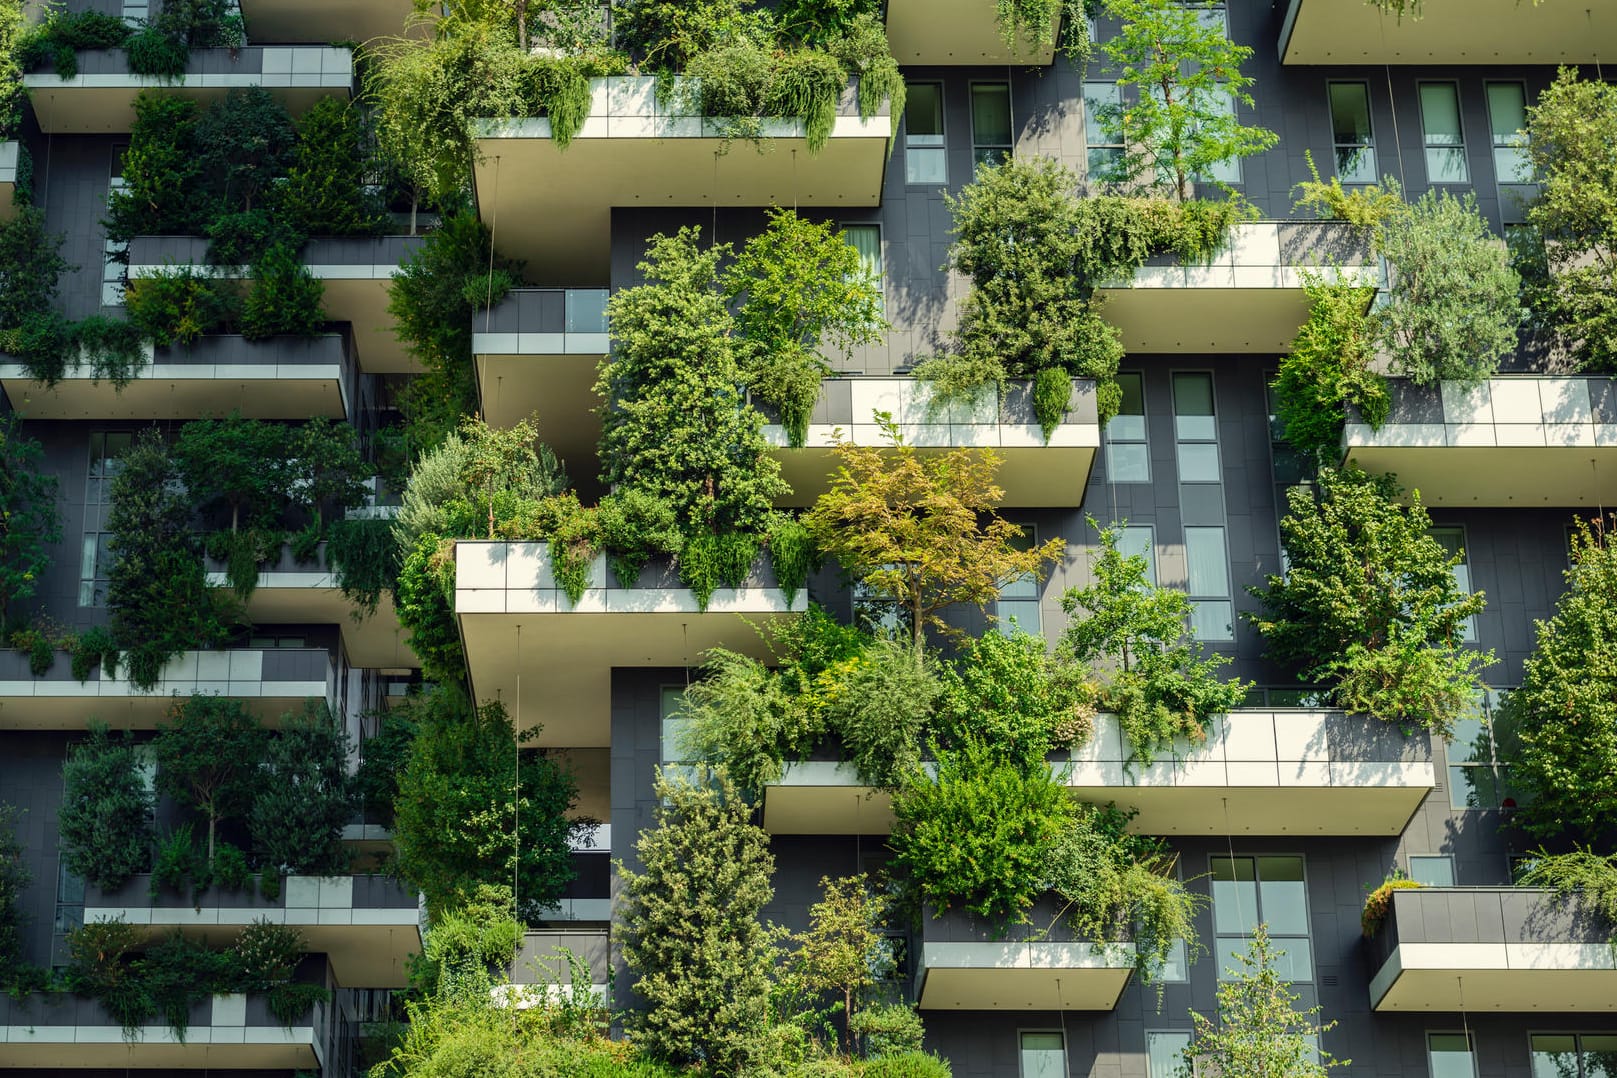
{"points": [[1044, 1055], [1198, 462], [1440, 128], [1212, 620], [1555, 1055], [1599, 1055], [1449, 1056], [1235, 896], [1507, 122], [1351, 134], [991, 122], [1207, 563], [1128, 462], [1192, 394], [925, 160], [1164, 1053], [1281, 895], [1432, 870], [1136, 539]]}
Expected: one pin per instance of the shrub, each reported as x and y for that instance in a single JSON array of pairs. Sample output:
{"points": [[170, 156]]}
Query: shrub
{"points": [[881, 709], [105, 820], [709, 561], [793, 554], [635, 525], [907, 1064], [364, 560], [741, 716], [1327, 371], [14, 876], [1011, 693], [58, 38], [303, 796], [470, 946], [178, 304], [267, 954], [1590, 876], [95, 645], [325, 193], [177, 864], [230, 869], [1378, 903], [284, 299], [161, 170]]}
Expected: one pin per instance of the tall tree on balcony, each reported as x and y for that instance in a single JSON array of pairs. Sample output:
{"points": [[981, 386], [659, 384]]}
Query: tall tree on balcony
{"points": [[106, 815], [208, 758], [1183, 123], [30, 523]]}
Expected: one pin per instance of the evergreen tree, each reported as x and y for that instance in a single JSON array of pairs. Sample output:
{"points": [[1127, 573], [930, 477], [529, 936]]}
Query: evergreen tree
{"points": [[29, 520], [208, 758], [303, 796], [106, 813], [14, 876]]}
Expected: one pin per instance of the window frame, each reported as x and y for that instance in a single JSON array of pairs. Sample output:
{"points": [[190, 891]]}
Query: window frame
{"points": [[1109, 437], [1468, 631], [1367, 147], [1150, 550], [940, 147], [1189, 1038], [878, 279], [1578, 1051], [1115, 144], [1445, 857], [1030, 535], [1007, 149], [1428, 147], [1021, 1060], [1219, 950], [1471, 1046], [1516, 143]]}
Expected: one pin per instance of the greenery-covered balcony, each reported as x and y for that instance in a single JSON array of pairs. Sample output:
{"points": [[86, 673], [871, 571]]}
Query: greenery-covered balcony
{"points": [[1035, 472], [354, 271], [10, 153], [317, 22], [1504, 442], [99, 98], [1247, 298], [537, 353], [367, 926], [546, 959], [636, 148], [237, 1031], [964, 963], [270, 681], [293, 592], [936, 33], [278, 378], [1447, 949], [550, 659], [1500, 32]]}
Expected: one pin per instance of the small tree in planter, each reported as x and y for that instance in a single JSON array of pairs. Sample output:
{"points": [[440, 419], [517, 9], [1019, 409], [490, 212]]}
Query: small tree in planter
{"points": [[304, 796], [209, 756], [28, 508], [106, 813]]}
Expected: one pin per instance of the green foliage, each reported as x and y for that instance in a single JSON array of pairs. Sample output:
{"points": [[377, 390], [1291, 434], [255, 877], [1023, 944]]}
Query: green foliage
{"points": [[325, 193], [285, 298], [881, 709], [176, 864], [1182, 123], [633, 526], [244, 143], [236, 464], [14, 876], [470, 946], [293, 1000], [710, 561], [152, 52], [33, 524], [424, 601], [327, 471], [1365, 207], [1009, 692], [1327, 371], [1369, 603], [382, 758], [177, 304], [109, 347], [573, 544], [364, 560], [1572, 142], [1589, 876], [1133, 638], [843, 950], [1559, 729], [792, 554], [57, 39], [230, 869], [911, 1063], [1259, 1029], [269, 954], [161, 168], [691, 930], [303, 796], [458, 807], [1378, 903], [208, 756], [105, 820], [94, 645], [1453, 304], [980, 834], [482, 482], [157, 590]]}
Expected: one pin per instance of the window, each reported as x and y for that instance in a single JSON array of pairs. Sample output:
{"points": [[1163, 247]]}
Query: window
{"points": [[1350, 132], [878, 613], [1207, 572], [1018, 606], [1138, 539], [1450, 1055], [279, 640], [866, 239], [114, 256], [1441, 133], [1453, 542], [1164, 1053], [1476, 778], [990, 123], [675, 757], [1229, 169], [95, 557], [925, 159], [1267, 889], [1044, 1055], [1195, 429], [1507, 122], [1574, 1055], [1103, 106], [1128, 455], [1175, 968], [1432, 870]]}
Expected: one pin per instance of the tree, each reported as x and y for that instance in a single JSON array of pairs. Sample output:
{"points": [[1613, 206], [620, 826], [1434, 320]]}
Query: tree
{"points": [[922, 530], [303, 795], [326, 191], [328, 472], [30, 523], [691, 928], [242, 463], [1370, 604], [678, 426], [799, 286], [162, 163], [1184, 122], [1572, 142], [458, 809], [1558, 734], [1453, 299], [14, 876], [1133, 638], [106, 814], [1010, 691], [1326, 371], [1259, 1032], [208, 758], [244, 142], [844, 949]]}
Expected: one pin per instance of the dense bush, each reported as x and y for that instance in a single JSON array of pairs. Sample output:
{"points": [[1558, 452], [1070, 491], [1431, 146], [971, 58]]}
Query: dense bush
{"points": [[105, 820], [14, 876], [304, 796], [1327, 371], [1012, 693], [33, 524]]}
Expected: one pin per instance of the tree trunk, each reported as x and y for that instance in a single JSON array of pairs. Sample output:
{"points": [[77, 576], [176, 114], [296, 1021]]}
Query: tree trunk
{"points": [[847, 1016]]}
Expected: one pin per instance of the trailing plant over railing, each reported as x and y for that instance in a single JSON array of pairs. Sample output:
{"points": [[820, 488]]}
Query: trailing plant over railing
{"points": [[1328, 370], [1589, 876], [1063, 23], [1378, 903]]}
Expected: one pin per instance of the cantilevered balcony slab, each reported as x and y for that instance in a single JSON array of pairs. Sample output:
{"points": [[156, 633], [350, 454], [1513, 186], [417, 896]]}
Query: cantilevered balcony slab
{"points": [[956, 32], [270, 681], [10, 152], [367, 926], [355, 270], [966, 964], [277, 378], [537, 353], [1249, 298], [825, 797], [100, 99], [1034, 473], [1498, 32], [320, 21], [1448, 949], [554, 205], [551, 661], [293, 593], [1505, 443]]}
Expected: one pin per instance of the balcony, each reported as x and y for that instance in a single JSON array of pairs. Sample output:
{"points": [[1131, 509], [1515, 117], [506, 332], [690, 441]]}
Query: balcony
{"points": [[278, 378], [541, 967], [314, 21], [1475, 949], [555, 206], [967, 965], [515, 620], [233, 1032], [100, 99], [955, 32], [537, 353], [9, 155], [1035, 473], [367, 926], [1499, 32], [1506, 443], [1249, 298], [271, 681], [1301, 772], [293, 593], [356, 271]]}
